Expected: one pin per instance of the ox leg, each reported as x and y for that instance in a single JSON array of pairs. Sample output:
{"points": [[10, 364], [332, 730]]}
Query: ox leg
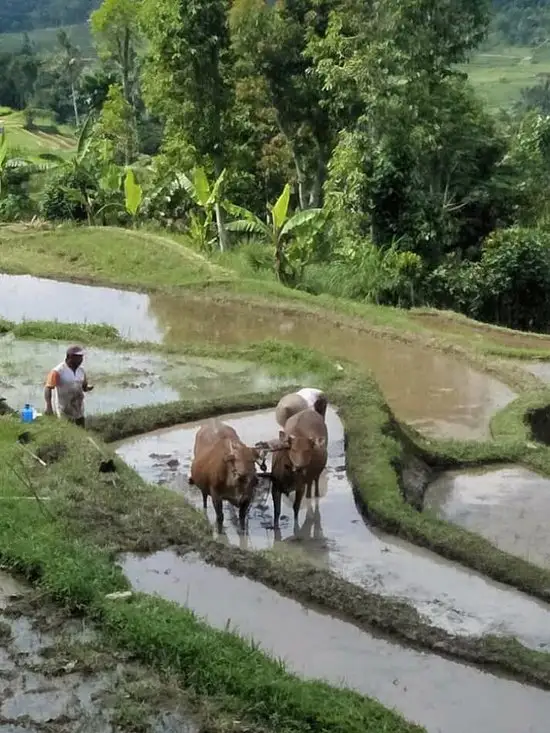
{"points": [[316, 488], [276, 494], [204, 499], [218, 508], [297, 502], [308, 490], [243, 509]]}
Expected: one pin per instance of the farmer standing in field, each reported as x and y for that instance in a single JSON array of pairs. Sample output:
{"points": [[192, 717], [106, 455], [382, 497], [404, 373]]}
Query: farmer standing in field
{"points": [[69, 381]]}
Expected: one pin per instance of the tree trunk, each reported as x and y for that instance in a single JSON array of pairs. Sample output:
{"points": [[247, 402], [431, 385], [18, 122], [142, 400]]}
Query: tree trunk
{"points": [[126, 90], [316, 191], [300, 175], [220, 225], [75, 106]]}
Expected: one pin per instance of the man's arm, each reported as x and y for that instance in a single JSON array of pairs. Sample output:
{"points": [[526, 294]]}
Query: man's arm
{"points": [[85, 386], [51, 384]]}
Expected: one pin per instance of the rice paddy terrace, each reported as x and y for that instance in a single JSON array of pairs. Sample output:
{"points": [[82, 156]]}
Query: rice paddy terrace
{"points": [[416, 586]]}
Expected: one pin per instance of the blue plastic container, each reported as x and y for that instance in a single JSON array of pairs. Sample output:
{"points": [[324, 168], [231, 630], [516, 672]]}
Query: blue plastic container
{"points": [[27, 413]]}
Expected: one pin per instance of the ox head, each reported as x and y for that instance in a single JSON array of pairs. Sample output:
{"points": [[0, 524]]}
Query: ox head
{"points": [[300, 450], [241, 470]]}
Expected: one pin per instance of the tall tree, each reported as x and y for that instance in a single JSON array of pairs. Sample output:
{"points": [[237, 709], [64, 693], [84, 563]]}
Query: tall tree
{"points": [[270, 40], [73, 65], [115, 26], [387, 68], [188, 78]]}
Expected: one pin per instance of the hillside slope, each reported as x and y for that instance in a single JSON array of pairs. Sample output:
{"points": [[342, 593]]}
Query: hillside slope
{"points": [[22, 15]]}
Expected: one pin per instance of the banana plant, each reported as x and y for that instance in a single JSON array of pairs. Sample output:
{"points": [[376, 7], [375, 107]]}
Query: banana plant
{"points": [[209, 200], [279, 228], [133, 194]]}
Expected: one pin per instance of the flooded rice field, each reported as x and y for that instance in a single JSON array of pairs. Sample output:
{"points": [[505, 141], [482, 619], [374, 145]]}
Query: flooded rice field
{"points": [[125, 379], [434, 392], [510, 506], [540, 369], [51, 681], [444, 696], [26, 298], [334, 535]]}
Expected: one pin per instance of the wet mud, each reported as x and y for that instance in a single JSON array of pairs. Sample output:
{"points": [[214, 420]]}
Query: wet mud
{"points": [[437, 394], [333, 535], [509, 506], [442, 695], [124, 379], [54, 680]]}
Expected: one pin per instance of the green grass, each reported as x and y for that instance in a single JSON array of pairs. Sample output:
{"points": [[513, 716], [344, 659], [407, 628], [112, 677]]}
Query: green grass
{"points": [[81, 254], [45, 39], [499, 75], [46, 137], [89, 333]]}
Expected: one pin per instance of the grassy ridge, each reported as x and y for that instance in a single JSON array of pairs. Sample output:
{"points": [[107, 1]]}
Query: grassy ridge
{"points": [[373, 453]]}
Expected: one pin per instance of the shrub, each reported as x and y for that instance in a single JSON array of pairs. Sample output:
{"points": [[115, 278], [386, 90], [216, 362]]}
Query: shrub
{"points": [[513, 279], [509, 286], [15, 206], [63, 196]]}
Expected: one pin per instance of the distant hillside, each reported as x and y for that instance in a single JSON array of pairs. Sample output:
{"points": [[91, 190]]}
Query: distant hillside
{"points": [[26, 15], [522, 22]]}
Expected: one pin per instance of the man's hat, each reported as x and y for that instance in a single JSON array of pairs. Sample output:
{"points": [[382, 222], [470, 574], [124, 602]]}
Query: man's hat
{"points": [[75, 351]]}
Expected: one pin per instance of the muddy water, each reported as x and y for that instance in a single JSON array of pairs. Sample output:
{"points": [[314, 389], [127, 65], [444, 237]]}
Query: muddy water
{"points": [[125, 379], [26, 298], [332, 534], [42, 689], [540, 369], [434, 392], [444, 696], [510, 506]]}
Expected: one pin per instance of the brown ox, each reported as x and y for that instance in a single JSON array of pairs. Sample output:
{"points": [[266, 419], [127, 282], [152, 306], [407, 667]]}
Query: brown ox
{"points": [[295, 402], [223, 467], [299, 460]]}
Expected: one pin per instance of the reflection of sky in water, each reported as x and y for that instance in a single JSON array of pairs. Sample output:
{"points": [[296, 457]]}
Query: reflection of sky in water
{"points": [[25, 298], [440, 694], [510, 506], [333, 534], [124, 379]]}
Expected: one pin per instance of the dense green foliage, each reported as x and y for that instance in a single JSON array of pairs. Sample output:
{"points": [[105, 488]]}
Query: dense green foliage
{"points": [[360, 117], [523, 22]]}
